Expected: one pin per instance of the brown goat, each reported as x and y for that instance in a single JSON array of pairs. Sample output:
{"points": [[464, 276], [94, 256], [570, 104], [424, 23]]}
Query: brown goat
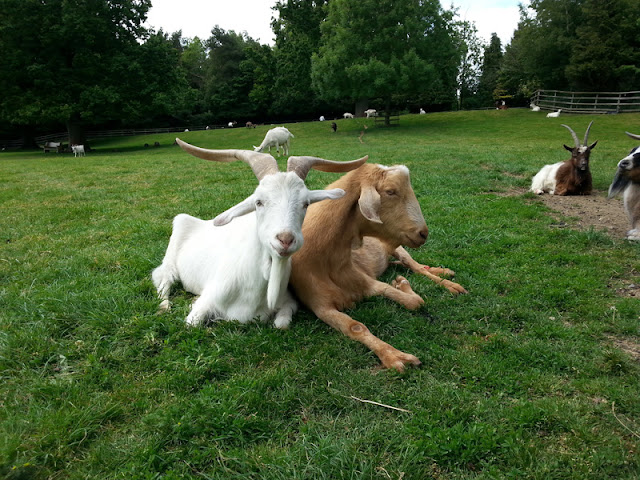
{"points": [[348, 244], [571, 177]]}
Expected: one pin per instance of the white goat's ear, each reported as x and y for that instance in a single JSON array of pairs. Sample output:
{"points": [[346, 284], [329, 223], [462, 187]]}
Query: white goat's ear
{"points": [[319, 195], [248, 205], [369, 203]]}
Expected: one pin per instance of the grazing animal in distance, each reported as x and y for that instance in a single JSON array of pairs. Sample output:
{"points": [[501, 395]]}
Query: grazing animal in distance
{"points": [[347, 246], [276, 137], [239, 262], [347, 115], [571, 177], [554, 114], [78, 150], [627, 180], [371, 113]]}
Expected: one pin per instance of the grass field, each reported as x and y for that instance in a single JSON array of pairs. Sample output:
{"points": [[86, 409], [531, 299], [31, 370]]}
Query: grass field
{"points": [[525, 377]]}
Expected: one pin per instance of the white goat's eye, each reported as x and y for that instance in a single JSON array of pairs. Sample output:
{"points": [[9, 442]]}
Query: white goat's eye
{"points": [[259, 203]]}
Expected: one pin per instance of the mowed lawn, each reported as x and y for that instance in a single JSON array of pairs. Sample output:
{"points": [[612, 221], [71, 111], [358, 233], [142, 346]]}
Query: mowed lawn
{"points": [[529, 376]]}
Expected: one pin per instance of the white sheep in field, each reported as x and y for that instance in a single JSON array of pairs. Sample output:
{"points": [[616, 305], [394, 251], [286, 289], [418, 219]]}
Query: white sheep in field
{"points": [[371, 113], [554, 114], [348, 245], [78, 150], [276, 137], [347, 115], [239, 262], [627, 180]]}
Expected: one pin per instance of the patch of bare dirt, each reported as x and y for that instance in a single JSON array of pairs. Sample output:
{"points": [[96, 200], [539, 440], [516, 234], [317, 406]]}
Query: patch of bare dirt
{"points": [[628, 345], [591, 211]]}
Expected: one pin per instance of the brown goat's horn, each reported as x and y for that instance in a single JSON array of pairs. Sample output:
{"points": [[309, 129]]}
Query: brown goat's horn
{"points": [[633, 135], [573, 134], [586, 135], [262, 164], [301, 165]]}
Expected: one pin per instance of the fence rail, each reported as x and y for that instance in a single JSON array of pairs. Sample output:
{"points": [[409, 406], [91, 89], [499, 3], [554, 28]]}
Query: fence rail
{"points": [[587, 102]]}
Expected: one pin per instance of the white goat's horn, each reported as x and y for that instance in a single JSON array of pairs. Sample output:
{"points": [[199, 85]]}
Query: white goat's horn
{"points": [[301, 165], [262, 164], [573, 134], [633, 135], [586, 135]]}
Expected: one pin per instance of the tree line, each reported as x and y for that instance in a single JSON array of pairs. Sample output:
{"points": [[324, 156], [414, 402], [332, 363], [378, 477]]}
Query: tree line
{"points": [[82, 64]]}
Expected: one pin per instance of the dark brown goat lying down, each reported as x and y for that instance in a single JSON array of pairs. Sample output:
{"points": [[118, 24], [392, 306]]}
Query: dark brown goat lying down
{"points": [[348, 243]]}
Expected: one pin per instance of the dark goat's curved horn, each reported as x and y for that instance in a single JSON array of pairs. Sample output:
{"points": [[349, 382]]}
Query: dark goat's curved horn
{"points": [[301, 165], [573, 134], [633, 135], [262, 164], [586, 135]]}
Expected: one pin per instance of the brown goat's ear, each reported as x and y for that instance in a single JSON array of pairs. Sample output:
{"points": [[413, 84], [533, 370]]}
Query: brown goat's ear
{"points": [[568, 148], [592, 146], [369, 203]]}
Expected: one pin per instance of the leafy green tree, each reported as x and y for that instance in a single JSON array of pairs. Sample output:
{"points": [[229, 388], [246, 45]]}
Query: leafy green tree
{"points": [[491, 63], [297, 33], [82, 63], [228, 83], [386, 50], [470, 65], [606, 55]]}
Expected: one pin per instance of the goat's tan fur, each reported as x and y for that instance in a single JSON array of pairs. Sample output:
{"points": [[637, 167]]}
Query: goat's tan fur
{"points": [[347, 246]]}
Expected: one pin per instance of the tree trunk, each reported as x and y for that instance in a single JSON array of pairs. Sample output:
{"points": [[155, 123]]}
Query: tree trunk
{"points": [[362, 104], [77, 133]]}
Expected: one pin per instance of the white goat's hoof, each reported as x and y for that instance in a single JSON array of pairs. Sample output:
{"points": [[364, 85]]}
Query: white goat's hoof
{"points": [[282, 323], [634, 235]]}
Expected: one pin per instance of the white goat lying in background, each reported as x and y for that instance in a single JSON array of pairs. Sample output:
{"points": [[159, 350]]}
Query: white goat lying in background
{"points": [[241, 269], [627, 179], [554, 114], [276, 137]]}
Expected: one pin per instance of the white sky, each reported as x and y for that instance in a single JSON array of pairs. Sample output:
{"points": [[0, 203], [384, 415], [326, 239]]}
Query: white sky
{"points": [[198, 17]]}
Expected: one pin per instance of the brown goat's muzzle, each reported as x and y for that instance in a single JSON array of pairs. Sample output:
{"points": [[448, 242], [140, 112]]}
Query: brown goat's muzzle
{"points": [[417, 238]]}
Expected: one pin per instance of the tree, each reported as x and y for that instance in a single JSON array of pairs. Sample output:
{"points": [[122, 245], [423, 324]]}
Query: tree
{"points": [[388, 55], [81, 63], [470, 64], [297, 32], [606, 53], [491, 63]]}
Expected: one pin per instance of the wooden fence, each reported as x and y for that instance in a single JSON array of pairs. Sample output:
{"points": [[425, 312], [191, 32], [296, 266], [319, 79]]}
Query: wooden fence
{"points": [[587, 102]]}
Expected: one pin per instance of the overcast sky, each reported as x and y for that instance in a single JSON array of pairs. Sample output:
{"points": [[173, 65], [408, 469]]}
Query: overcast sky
{"points": [[198, 17]]}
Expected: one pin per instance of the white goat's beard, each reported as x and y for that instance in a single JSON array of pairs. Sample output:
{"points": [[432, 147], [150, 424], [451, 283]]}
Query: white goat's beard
{"points": [[278, 279]]}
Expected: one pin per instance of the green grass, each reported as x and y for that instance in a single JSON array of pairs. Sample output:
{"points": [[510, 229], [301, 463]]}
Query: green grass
{"points": [[520, 379]]}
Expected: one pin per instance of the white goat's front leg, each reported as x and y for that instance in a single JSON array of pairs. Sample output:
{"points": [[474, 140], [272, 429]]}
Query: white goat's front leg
{"points": [[201, 309], [285, 314], [163, 278]]}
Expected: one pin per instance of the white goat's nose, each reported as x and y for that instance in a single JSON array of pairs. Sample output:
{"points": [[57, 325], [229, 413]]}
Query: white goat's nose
{"points": [[286, 239]]}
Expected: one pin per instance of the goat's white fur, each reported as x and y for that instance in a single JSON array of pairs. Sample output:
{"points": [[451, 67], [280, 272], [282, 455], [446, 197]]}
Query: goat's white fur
{"points": [[276, 137], [554, 114], [347, 115], [371, 113], [78, 150], [545, 179], [240, 268], [534, 107]]}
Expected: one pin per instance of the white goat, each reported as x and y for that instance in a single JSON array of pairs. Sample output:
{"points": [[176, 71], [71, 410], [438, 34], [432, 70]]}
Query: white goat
{"points": [[347, 115], [554, 114], [627, 179], [422, 111], [276, 137], [371, 113], [241, 269], [78, 150], [534, 107]]}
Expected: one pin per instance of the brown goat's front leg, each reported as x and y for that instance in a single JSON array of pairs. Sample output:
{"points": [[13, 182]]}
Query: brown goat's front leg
{"points": [[399, 291], [389, 356], [430, 272]]}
